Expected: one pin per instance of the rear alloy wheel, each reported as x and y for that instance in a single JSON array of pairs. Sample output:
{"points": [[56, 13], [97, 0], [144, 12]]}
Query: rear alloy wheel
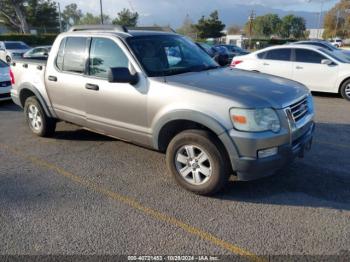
{"points": [[345, 90], [196, 161], [38, 121]]}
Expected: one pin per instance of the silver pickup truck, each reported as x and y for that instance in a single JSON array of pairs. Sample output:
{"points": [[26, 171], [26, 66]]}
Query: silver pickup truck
{"points": [[160, 90]]}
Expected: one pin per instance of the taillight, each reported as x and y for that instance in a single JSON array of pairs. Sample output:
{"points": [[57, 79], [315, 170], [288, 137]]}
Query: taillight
{"points": [[235, 62], [12, 77]]}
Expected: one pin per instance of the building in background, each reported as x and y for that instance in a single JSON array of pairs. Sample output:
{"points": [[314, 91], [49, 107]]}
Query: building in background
{"points": [[315, 33]]}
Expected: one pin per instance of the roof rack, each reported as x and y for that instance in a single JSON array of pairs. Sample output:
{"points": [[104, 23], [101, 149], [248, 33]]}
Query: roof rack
{"points": [[153, 28], [116, 28]]}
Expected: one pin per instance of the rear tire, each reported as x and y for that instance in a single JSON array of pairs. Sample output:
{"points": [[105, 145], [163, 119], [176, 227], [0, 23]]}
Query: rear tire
{"points": [[195, 160], [37, 120], [345, 90]]}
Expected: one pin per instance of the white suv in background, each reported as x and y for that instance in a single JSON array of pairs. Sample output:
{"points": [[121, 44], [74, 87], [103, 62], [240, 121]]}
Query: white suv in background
{"points": [[337, 42], [10, 50], [315, 67]]}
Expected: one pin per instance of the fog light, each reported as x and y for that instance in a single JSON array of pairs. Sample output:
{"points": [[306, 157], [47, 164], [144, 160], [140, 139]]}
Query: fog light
{"points": [[267, 152]]}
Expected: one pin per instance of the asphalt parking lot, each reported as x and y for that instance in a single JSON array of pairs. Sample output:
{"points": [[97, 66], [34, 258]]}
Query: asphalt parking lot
{"points": [[83, 193]]}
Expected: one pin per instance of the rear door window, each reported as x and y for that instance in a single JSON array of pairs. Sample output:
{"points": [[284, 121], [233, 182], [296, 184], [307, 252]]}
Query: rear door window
{"points": [[308, 56], [72, 55], [283, 54]]}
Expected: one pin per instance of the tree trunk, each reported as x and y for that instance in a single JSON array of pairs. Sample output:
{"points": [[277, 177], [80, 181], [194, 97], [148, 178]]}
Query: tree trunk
{"points": [[21, 17]]}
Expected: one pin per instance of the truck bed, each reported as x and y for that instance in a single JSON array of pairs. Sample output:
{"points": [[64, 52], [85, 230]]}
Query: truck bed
{"points": [[29, 73]]}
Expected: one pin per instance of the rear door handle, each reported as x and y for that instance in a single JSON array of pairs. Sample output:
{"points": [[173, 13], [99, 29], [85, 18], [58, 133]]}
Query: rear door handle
{"points": [[299, 67], [92, 87], [266, 64], [52, 78]]}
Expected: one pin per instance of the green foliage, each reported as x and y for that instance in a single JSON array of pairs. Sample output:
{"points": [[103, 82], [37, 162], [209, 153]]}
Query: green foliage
{"points": [[31, 40], [90, 19], [126, 18], [42, 14], [210, 27], [270, 25], [293, 26], [71, 15]]}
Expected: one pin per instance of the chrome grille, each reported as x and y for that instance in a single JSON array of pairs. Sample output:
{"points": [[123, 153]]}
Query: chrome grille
{"points": [[299, 109]]}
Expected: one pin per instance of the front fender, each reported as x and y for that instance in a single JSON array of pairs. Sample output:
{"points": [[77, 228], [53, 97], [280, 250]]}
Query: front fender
{"points": [[200, 118]]}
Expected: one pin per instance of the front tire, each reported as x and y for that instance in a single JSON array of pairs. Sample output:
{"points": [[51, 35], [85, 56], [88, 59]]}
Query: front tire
{"points": [[196, 162], [345, 90], [38, 121]]}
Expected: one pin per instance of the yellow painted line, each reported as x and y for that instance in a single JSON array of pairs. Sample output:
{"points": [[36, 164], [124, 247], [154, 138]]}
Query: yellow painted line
{"points": [[138, 206], [331, 144]]}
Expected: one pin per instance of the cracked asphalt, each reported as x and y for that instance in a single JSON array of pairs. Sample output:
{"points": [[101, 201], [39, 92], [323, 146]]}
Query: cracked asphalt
{"points": [[83, 193]]}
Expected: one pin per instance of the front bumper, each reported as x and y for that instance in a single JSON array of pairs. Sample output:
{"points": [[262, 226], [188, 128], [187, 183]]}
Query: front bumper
{"points": [[251, 169]]}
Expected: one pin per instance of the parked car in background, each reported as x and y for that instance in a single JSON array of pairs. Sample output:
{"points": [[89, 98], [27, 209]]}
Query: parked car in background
{"points": [[39, 52], [220, 55], [5, 81], [326, 45], [211, 121], [10, 50], [317, 68], [337, 42], [234, 50]]}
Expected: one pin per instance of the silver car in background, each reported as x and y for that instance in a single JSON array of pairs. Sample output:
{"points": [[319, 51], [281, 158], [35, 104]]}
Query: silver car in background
{"points": [[39, 52]]}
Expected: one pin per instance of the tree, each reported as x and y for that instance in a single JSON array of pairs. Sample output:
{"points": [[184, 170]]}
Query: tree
{"points": [[71, 15], [90, 19], [265, 26], [234, 30], [12, 13], [187, 28], [126, 18], [42, 14], [337, 20], [293, 26], [210, 27]]}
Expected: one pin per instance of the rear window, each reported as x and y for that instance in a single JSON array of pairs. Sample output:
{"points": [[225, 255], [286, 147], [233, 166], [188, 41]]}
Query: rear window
{"points": [[262, 55], [279, 54]]}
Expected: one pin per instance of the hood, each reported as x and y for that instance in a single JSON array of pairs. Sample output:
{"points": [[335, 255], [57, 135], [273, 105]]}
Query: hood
{"points": [[249, 89]]}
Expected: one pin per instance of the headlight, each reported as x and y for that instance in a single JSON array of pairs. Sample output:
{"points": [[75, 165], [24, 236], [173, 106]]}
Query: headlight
{"points": [[255, 120], [310, 103]]}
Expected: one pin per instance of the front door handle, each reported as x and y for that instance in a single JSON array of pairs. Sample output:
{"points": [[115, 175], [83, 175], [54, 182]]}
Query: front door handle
{"points": [[52, 78], [299, 67], [92, 87], [266, 64]]}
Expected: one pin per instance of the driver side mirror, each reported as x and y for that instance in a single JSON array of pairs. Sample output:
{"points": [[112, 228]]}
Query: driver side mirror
{"points": [[326, 62], [122, 75]]}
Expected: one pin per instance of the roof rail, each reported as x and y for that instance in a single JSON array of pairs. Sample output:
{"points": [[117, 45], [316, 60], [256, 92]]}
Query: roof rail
{"points": [[116, 28], [153, 28]]}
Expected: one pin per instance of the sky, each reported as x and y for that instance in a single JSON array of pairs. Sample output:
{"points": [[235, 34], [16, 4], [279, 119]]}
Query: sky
{"points": [[174, 11]]}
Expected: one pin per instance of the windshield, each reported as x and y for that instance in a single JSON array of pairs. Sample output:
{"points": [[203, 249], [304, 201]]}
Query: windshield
{"points": [[164, 55], [16, 45]]}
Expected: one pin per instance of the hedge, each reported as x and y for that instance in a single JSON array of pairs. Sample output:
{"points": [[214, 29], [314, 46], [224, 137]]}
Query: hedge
{"points": [[31, 40]]}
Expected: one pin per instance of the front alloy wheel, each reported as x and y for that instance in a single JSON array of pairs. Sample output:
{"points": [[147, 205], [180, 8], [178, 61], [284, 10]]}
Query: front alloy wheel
{"points": [[193, 163], [197, 161], [345, 90]]}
